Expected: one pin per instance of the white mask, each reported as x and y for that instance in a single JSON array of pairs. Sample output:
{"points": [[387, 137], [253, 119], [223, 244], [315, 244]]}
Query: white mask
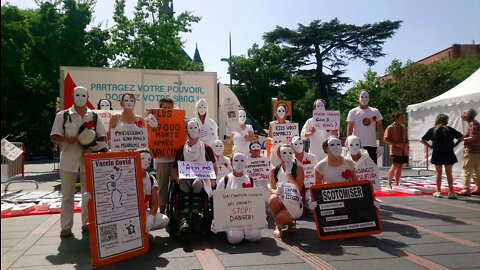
{"points": [[80, 96], [335, 146], [146, 159], [255, 146], [297, 144], [286, 153], [128, 102], [202, 107], [152, 121], [238, 162], [281, 112], [218, 148], [242, 117], [192, 129], [353, 144], [105, 105], [319, 106], [364, 98]]}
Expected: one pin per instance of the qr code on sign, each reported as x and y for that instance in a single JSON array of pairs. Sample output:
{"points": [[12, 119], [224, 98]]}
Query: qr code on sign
{"points": [[108, 233]]}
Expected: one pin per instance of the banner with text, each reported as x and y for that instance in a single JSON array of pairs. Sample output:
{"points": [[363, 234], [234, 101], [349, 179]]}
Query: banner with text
{"points": [[128, 139], [345, 210], [117, 207], [239, 209], [327, 120], [168, 136], [196, 170], [284, 132]]}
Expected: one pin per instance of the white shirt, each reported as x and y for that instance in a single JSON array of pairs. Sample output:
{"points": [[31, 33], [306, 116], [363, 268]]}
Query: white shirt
{"points": [[334, 174], [208, 131], [365, 124], [240, 144], [234, 182], [71, 156], [316, 139]]}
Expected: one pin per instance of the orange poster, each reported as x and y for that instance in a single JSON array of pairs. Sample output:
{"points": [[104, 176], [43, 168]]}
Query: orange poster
{"points": [[116, 210], [169, 135]]}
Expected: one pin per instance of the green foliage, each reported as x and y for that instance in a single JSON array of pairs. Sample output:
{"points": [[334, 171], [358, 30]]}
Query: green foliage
{"points": [[151, 38]]}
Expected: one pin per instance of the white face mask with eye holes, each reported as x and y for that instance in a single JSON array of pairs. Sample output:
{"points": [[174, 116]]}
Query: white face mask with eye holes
{"points": [[105, 105], [238, 162], [146, 160], [80, 96], [297, 144], [364, 98], [335, 146], [286, 153], [192, 129], [218, 148], [128, 102], [202, 107], [281, 112], [319, 106], [242, 117], [353, 145]]}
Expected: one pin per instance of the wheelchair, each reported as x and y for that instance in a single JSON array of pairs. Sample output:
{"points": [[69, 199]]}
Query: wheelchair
{"points": [[194, 208]]}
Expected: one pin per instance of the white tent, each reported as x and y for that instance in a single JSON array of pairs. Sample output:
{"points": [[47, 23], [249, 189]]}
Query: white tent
{"points": [[421, 116]]}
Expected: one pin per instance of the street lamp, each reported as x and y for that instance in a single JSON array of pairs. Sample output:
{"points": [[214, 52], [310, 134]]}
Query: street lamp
{"points": [[229, 59]]}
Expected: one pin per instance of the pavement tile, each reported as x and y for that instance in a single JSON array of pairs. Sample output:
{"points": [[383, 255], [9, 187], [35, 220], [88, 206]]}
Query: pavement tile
{"points": [[10, 242], [455, 228], [159, 263], [454, 261], [356, 253], [444, 248], [284, 266], [52, 259], [377, 264], [402, 241], [259, 259], [472, 236], [14, 235]]}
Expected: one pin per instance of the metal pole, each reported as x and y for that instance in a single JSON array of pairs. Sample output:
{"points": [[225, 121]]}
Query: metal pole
{"points": [[230, 57]]}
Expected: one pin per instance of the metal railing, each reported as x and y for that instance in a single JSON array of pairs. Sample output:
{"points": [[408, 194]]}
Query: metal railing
{"points": [[13, 171]]}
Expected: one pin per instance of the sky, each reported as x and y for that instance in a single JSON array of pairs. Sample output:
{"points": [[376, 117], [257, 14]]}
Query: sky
{"points": [[429, 26]]}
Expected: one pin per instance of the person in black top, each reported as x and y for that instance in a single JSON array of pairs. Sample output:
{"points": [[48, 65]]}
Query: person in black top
{"points": [[442, 137]]}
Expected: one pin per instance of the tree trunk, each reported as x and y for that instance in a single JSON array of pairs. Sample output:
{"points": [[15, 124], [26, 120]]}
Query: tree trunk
{"points": [[321, 84]]}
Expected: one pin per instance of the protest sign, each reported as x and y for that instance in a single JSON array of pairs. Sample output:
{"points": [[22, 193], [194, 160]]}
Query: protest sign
{"points": [[345, 210], [230, 113], [326, 120], [309, 175], [10, 151], [196, 170], [128, 139], [284, 132], [116, 210], [239, 209], [106, 115], [287, 104], [366, 169], [169, 136]]}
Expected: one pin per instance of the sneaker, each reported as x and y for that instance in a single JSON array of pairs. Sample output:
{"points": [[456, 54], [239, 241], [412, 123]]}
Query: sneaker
{"points": [[67, 233], [437, 195], [452, 195]]}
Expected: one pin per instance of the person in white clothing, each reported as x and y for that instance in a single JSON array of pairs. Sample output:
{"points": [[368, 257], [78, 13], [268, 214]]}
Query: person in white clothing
{"points": [[208, 128], [316, 136], [154, 219], [334, 168], [365, 122], [242, 136], [223, 163], [127, 119], [286, 181], [237, 180], [65, 132], [308, 162]]}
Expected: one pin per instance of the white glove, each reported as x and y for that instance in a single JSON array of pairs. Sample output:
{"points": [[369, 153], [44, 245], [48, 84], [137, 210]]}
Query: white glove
{"points": [[312, 205], [288, 167], [212, 227], [379, 151], [149, 224], [99, 145], [279, 192], [377, 203], [86, 197]]}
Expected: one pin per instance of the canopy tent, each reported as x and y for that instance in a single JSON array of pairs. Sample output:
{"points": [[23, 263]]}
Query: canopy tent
{"points": [[464, 96]]}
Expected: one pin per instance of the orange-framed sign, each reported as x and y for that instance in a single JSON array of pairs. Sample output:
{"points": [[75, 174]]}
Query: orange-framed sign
{"points": [[169, 135], [116, 210], [287, 104], [345, 210]]}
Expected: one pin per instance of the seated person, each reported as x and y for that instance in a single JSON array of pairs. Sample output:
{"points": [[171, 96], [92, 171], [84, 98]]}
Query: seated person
{"points": [[223, 163], [196, 151], [155, 219], [255, 149], [334, 168], [286, 181], [236, 180]]}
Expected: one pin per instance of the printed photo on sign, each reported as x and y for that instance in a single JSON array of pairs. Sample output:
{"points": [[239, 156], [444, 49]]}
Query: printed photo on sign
{"points": [[239, 209], [168, 136], [115, 183], [124, 139], [327, 120], [196, 170], [345, 210]]}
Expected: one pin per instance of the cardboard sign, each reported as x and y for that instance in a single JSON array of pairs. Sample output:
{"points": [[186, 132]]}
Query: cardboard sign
{"points": [[366, 169], [10, 151], [287, 104], [128, 139], [309, 175], [239, 209], [284, 132], [230, 111], [259, 170], [169, 136], [106, 115], [327, 120], [345, 210], [116, 210], [196, 170]]}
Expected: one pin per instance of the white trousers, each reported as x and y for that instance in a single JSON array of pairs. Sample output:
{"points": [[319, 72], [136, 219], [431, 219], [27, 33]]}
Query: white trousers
{"points": [[69, 179], [236, 236]]}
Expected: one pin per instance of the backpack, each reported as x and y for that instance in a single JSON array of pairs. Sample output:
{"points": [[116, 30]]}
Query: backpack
{"points": [[225, 180], [277, 169]]}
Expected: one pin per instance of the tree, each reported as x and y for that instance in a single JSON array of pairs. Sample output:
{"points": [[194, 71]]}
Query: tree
{"points": [[151, 39], [329, 45]]}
